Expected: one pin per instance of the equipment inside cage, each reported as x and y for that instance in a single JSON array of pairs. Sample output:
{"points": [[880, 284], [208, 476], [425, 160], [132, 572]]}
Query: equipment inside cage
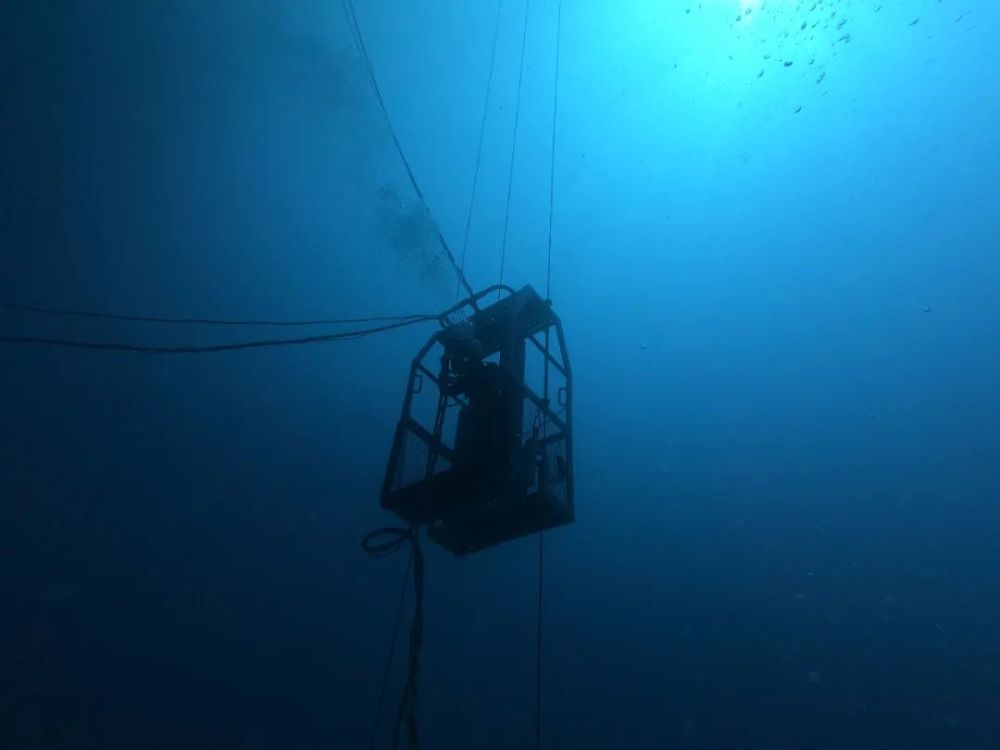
{"points": [[483, 451]]}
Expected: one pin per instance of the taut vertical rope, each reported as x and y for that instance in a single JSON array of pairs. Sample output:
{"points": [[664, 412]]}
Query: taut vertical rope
{"points": [[479, 148], [548, 296], [513, 150]]}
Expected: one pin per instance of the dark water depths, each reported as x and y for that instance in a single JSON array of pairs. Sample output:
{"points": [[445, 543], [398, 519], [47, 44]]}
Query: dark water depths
{"points": [[776, 257]]}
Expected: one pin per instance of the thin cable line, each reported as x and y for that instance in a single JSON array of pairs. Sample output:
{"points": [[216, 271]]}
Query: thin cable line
{"points": [[74, 313], [363, 49], [210, 348], [482, 133], [548, 296], [513, 150], [552, 154], [350, 23], [538, 662], [392, 650]]}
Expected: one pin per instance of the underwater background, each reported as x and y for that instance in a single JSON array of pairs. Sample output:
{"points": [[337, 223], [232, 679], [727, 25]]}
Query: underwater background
{"points": [[775, 253]]}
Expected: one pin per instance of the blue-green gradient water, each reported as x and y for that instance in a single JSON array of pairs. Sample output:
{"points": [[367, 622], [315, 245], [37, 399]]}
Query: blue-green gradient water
{"points": [[775, 253]]}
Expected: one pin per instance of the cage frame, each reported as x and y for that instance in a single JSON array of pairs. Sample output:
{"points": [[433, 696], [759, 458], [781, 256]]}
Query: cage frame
{"points": [[468, 524]]}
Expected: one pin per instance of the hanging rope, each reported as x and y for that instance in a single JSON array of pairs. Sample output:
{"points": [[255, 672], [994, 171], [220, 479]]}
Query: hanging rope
{"points": [[552, 155], [513, 150], [352, 17], [73, 313], [382, 543], [538, 660], [392, 650], [548, 296], [479, 148], [207, 349]]}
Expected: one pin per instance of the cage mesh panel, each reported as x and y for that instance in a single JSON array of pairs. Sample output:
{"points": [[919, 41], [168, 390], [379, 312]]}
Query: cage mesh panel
{"points": [[529, 412], [558, 485], [554, 450], [411, 464], [449, 427]]}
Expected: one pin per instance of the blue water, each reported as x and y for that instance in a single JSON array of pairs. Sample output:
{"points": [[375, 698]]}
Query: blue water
{"points": [[775, 254]]}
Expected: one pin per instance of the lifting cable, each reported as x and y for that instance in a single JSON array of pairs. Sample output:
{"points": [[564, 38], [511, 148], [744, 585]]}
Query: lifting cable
{"points": [[548, 297], [382, 543], [73, 313], [392, 650], [72, 343], [552, 153], [513, 149], [352, 22], [482, 132]]}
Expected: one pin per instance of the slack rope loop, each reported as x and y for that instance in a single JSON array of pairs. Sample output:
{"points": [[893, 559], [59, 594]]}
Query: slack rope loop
{"points": [[263, 323], [382, 543], [396, 537], [210, 348], [352, 19]]}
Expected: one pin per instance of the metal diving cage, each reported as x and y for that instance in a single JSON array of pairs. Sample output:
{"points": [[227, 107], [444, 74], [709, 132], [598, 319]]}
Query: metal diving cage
{"points": [[483, 451]]}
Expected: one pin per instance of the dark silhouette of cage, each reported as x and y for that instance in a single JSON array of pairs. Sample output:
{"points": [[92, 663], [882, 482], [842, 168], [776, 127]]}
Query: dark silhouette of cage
{"points": [[483, 450]]}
